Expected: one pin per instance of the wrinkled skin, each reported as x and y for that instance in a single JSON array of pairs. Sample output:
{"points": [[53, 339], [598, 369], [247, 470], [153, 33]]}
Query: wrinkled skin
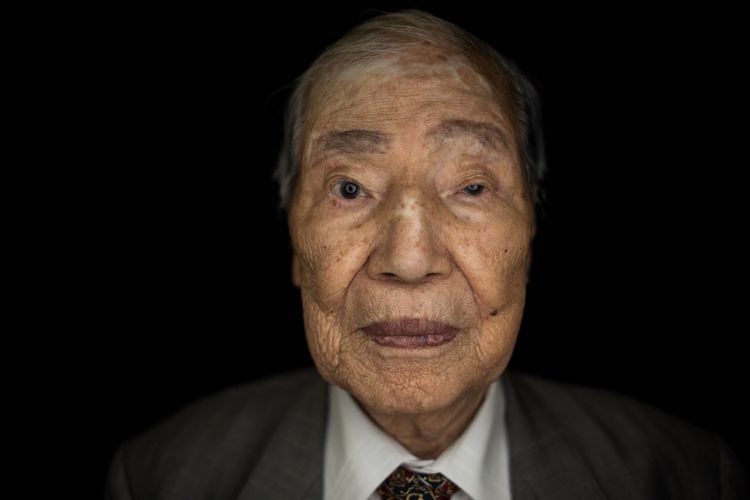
{"points": [[413, 242]]}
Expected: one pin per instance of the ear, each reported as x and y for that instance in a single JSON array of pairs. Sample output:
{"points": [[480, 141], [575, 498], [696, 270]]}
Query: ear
{"points": [[295, 270]]}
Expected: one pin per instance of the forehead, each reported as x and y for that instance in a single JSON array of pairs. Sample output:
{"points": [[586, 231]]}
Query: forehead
{"points": [[408, 92]]}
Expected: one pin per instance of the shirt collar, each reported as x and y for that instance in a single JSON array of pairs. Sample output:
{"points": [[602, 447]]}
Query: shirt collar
{"points": [[359, 455]]}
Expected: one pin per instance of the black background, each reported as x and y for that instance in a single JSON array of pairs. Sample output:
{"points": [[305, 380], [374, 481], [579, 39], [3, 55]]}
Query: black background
{"points": [[637, 283]]}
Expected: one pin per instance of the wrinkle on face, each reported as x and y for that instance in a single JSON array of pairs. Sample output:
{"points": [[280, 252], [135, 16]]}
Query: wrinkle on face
{"points": [[399, 73], [413, 245]]}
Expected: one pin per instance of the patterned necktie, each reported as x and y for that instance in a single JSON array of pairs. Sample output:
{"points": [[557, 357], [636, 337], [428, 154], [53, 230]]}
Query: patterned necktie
{"points": [[406, 484]]}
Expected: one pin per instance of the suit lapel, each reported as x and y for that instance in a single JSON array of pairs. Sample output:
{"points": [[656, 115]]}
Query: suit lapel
{"points": [[291, 465], [544, 464]]}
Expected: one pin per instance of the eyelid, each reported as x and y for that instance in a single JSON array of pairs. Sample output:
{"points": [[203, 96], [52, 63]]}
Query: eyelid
{"points": [[480, 178]]}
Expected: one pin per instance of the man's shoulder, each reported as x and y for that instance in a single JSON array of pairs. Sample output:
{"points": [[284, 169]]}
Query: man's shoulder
{"points": [[219, 437], [249, 404], [581, 409], [613, 432]]}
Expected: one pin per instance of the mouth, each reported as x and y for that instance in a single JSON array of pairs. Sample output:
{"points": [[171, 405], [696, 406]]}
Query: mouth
{"points": [[410, 333]]}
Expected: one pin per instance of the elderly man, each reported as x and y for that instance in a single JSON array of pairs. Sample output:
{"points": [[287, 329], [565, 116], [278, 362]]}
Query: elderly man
{"points": [[410, 173]]}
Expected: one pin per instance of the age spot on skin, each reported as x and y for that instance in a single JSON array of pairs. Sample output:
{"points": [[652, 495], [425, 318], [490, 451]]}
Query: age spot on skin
{"points": [[408, 210]]}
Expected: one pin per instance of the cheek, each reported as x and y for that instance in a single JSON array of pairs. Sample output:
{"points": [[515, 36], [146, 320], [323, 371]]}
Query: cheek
{"points": [[328, 261], [329, 255], [322, 336], [494, 259]]}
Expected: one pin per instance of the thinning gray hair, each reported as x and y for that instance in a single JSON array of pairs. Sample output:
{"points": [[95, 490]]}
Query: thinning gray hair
{"points": [[392, 32]]}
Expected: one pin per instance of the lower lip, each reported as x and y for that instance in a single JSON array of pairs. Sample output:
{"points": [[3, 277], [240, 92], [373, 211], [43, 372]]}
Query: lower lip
{"points": [[414, 341]]}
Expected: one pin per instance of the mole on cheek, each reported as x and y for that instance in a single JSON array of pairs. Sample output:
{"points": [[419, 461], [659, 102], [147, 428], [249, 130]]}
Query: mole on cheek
{"points": [[493, 312]]}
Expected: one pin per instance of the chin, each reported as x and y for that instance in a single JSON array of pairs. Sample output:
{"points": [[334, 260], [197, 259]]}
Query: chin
{"points": [[398, 394]]}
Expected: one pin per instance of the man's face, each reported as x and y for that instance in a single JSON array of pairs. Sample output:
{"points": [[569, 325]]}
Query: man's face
{"points": [[411, 205]]}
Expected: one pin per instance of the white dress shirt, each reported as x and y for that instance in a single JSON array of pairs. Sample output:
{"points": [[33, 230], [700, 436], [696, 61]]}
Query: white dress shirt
{"points": [[359, 455]]}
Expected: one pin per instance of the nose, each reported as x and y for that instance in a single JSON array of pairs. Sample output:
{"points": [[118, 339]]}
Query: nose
{"points": [[409, 248]]}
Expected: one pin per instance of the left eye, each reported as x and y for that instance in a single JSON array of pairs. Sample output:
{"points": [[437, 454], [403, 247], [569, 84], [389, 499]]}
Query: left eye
{"points": [[474, 189]]}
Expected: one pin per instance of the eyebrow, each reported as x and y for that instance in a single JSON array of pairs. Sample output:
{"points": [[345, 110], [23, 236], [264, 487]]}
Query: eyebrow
{"points": [[489, 136], [353, 142], [360, 141]]}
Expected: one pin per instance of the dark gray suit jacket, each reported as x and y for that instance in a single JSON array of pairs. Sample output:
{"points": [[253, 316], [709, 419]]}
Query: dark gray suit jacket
{"points": [[264, 440]]}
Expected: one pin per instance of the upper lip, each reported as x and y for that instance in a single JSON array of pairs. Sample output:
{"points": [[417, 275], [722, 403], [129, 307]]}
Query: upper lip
{"points": [[409, 326]]}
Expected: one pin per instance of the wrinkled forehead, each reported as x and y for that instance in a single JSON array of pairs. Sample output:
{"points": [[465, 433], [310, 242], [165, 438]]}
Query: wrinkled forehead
{"points": [[409, 75]]}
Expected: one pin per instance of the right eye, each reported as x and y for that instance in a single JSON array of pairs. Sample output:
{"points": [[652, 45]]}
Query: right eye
{"points": [[347, 189]]}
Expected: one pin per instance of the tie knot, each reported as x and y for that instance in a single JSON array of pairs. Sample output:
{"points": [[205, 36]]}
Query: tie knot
{"points": [[406, 484]]}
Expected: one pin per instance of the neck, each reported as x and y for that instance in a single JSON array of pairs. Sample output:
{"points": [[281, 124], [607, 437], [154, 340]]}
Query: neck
{"points": [[428, 434]]}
